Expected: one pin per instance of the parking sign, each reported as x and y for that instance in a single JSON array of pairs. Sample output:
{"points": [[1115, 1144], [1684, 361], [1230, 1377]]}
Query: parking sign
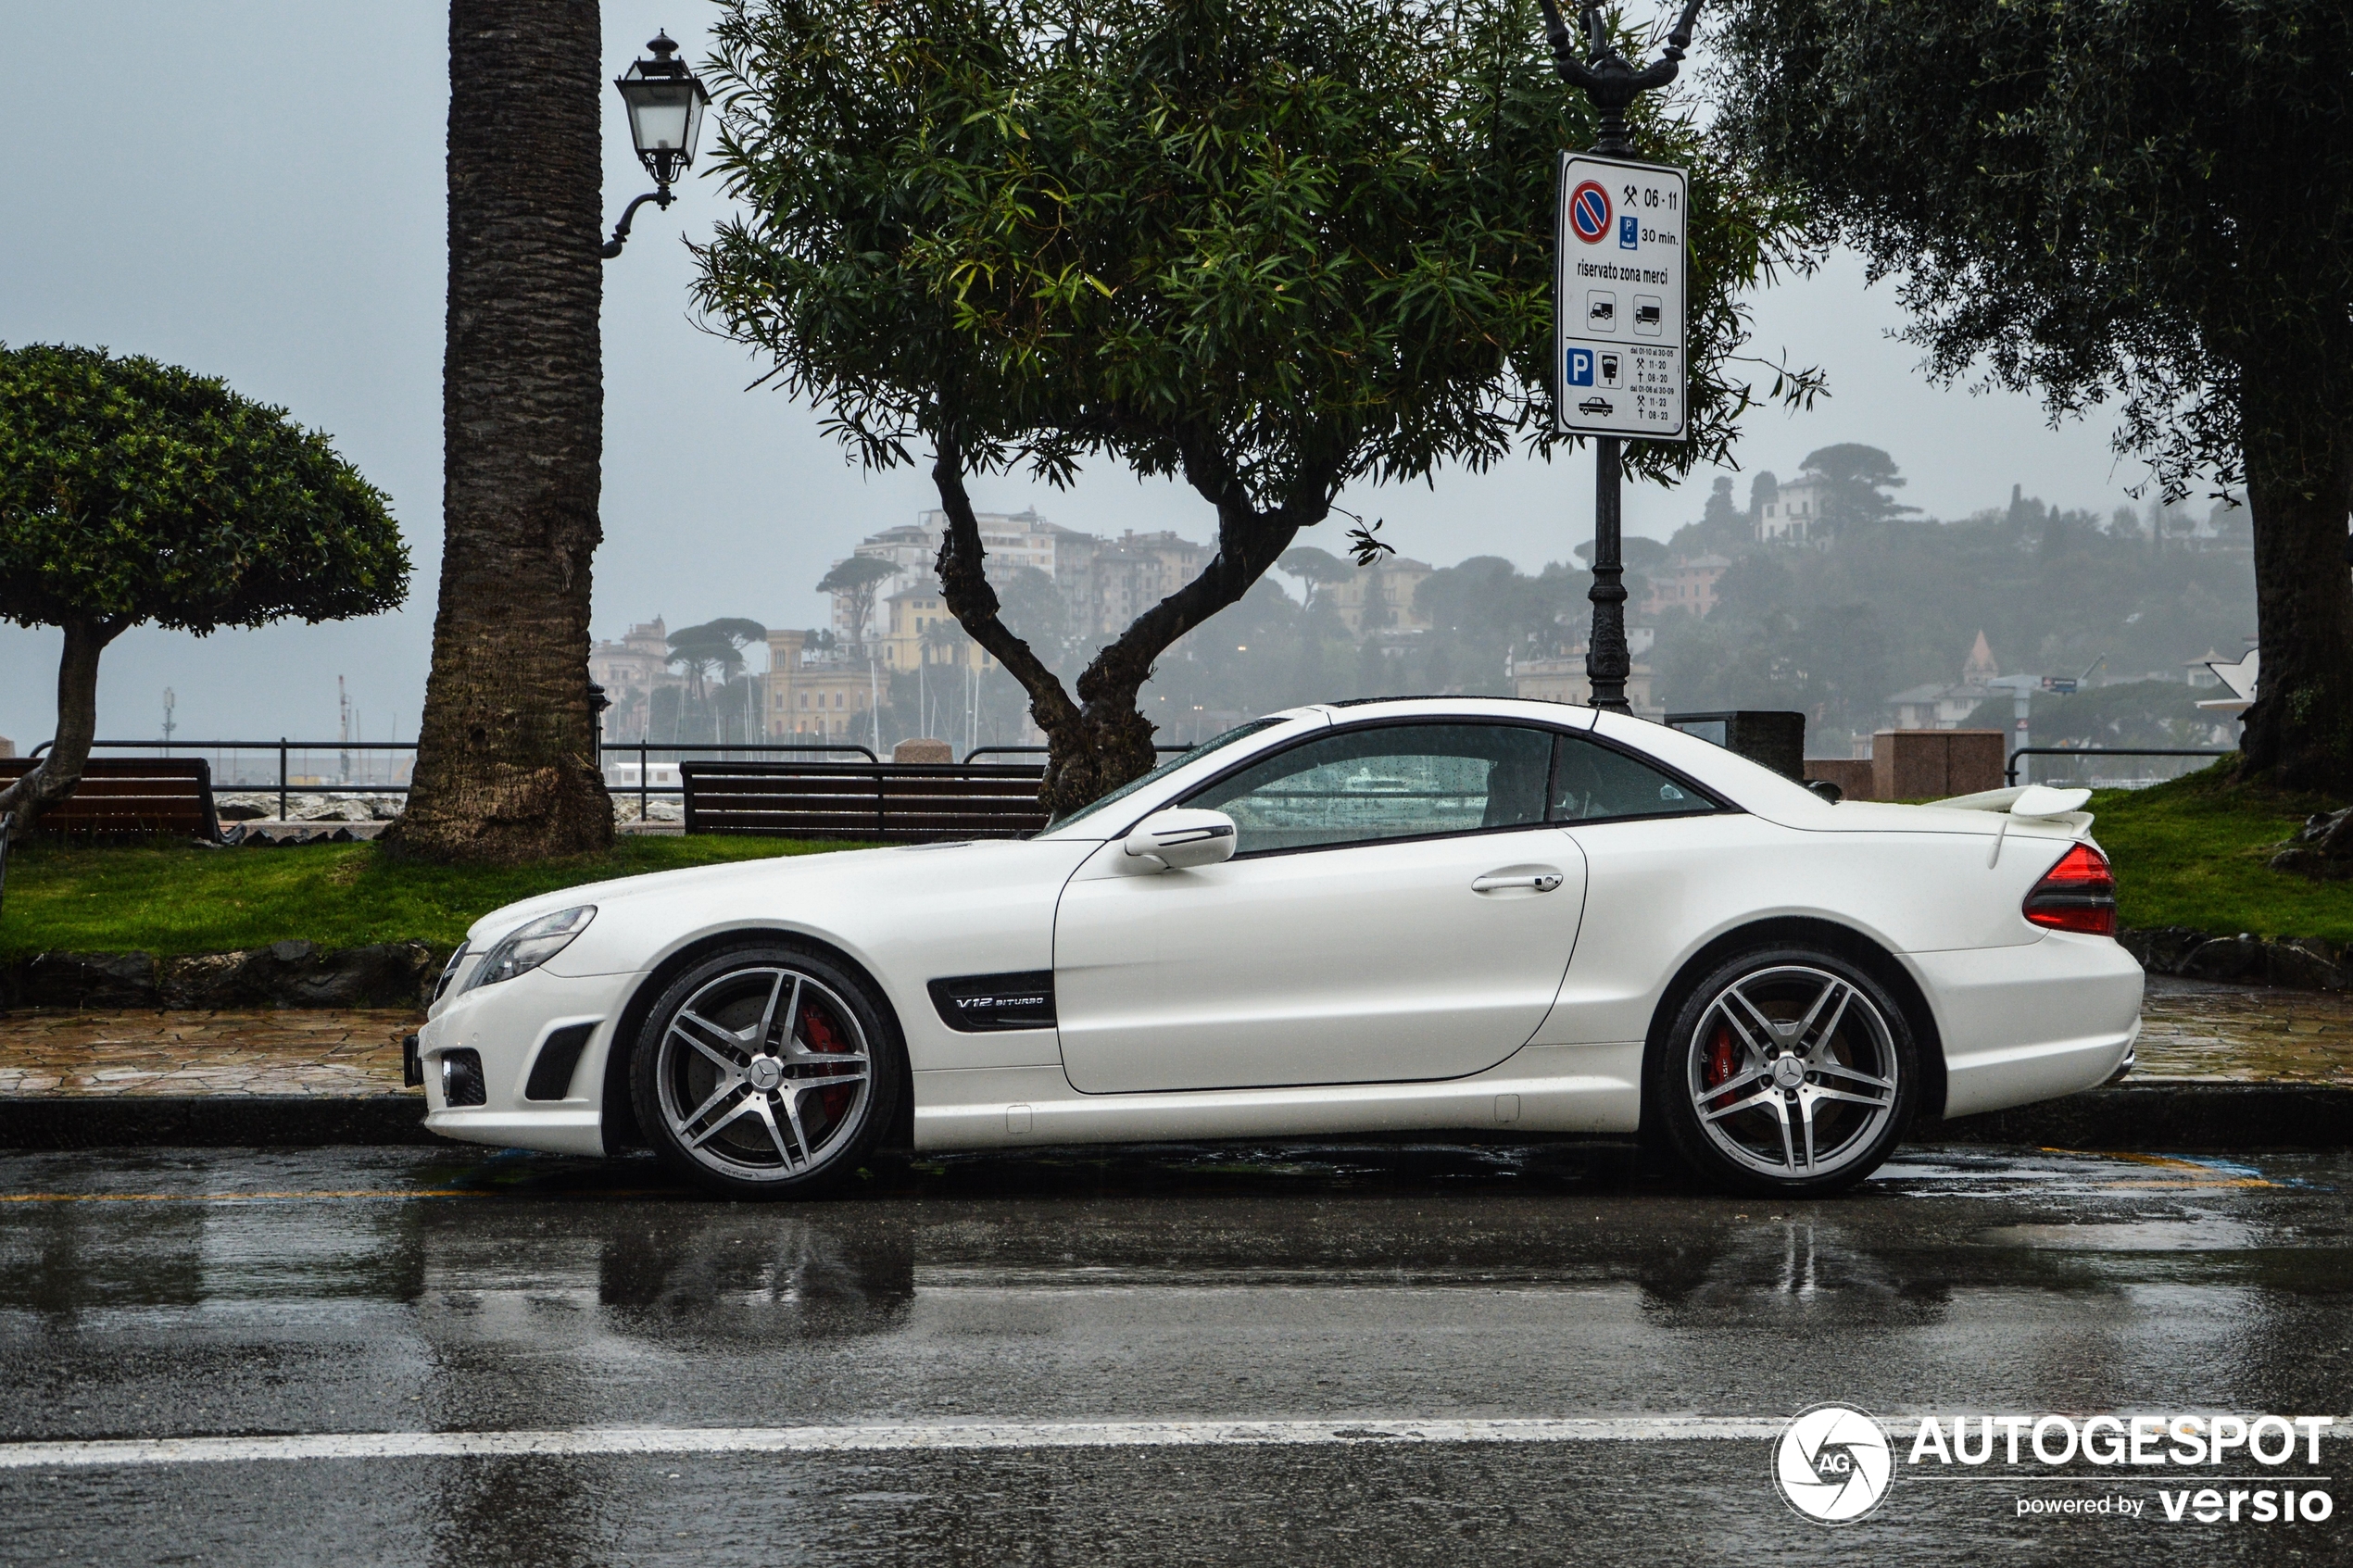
{"points": [[1619, 299]]}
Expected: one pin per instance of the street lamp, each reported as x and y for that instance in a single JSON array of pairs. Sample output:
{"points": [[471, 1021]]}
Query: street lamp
{"points": [[665, 103]]}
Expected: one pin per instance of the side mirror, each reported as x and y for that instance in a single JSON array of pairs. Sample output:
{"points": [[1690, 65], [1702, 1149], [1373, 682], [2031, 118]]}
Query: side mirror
{"points": [[1180, 837]]}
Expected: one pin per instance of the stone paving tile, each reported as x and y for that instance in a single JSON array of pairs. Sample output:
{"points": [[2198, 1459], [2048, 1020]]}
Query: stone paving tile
{"points": [[2189, 1030], [324, 1052]]}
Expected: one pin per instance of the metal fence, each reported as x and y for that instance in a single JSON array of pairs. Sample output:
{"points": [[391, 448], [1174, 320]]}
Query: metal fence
{"points": [[2075, 770], [290, 767]]}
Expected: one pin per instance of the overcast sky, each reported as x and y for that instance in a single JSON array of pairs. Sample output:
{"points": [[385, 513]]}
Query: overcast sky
{"points": [[255, 190]]}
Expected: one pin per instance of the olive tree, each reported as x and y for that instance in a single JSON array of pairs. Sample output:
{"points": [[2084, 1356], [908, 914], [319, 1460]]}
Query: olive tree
{"points": [[133, 491], [1270, 248], [2149, 200]]}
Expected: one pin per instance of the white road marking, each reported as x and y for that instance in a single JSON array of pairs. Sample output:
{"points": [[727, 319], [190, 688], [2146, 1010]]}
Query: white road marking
{"points": [[563, 1441]]}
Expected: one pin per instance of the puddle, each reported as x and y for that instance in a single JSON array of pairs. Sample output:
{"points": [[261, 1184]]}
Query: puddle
{"points": [[2139, 1235]]}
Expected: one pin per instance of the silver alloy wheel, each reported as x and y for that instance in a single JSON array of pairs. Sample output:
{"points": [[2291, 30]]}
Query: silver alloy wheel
{"points": [[763, 1073], [1791, 1072]]}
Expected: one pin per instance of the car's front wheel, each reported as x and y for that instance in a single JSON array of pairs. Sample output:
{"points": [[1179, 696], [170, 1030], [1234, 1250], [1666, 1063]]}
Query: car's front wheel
{"points": [[766, 1072], [1786, 1071]]}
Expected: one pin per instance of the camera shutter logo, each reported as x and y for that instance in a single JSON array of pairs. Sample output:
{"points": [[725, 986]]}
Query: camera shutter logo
{"points": [[1832, 1463]]}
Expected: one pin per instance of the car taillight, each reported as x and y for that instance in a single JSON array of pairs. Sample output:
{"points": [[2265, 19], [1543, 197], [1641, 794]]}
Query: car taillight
{"points": [[2078, 894]]}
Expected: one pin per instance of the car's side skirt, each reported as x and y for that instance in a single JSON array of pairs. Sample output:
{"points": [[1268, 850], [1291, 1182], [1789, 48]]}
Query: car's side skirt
{"points": [[1594, 1088]]}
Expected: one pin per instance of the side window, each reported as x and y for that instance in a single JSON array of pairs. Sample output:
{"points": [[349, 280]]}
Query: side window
{"points": [[1592, 782], [1392, 781]]}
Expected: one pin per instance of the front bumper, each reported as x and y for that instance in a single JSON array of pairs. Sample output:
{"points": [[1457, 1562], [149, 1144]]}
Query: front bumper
{"points": [[506, 1025]]}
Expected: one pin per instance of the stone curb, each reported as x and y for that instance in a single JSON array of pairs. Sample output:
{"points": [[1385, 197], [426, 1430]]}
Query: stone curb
{"points": [[2159, 1115], [2293, 963], [2163, 1114], [55, 1122]]}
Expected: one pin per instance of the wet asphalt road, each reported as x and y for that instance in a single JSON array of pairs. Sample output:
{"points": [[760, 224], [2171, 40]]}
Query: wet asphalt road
{"points": [[160, 1293]]}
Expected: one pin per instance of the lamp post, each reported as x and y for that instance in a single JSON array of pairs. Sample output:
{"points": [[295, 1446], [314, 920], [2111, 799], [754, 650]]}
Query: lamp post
{"points": [[1612, 83], [665, 103]]}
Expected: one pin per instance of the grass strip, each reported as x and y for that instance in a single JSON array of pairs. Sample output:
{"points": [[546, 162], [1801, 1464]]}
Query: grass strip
{"points": [[2196, 851], [179, 898]]}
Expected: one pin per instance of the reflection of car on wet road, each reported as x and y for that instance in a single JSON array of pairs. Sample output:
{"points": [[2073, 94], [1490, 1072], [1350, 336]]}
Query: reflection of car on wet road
{"points": [[1424, 914]]}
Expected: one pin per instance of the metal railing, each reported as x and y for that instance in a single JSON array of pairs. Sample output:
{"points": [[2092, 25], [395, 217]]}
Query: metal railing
{"points": [[2009, 773], [645, 752], [1040, 750], [645, 749]]}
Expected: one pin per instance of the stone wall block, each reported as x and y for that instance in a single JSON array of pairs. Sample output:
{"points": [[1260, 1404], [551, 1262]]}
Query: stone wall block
{"points": [[285, 974]]}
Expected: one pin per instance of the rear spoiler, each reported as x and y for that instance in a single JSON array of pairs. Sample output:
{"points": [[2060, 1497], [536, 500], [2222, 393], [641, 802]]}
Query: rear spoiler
{"points": [[2033, 803]]}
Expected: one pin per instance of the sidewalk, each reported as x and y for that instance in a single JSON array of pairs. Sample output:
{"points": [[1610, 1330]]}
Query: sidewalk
{"points": [[288, 1051], [2206, 1032], [2218, 1066]]}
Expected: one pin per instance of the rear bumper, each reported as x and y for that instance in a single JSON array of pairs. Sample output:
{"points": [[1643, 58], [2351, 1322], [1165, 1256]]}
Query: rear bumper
{"points": [[2034, 1021]]}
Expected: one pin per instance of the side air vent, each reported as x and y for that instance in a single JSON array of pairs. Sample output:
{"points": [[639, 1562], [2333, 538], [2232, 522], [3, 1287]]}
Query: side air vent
{"points": [[977, 1003], [559, 1054]]}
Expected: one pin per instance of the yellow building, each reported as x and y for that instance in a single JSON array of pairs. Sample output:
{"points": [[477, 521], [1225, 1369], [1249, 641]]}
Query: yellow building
{"points": [[1379, 598], [1563, 679], [919, 629], [820, 698]]}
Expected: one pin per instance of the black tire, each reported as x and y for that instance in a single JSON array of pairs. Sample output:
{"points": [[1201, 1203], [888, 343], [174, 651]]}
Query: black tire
{"points": [[746, 1076], [1787, 1070]]}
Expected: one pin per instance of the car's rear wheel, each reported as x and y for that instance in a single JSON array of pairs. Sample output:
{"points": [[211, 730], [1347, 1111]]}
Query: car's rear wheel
{"points": [[766, 1072], [1787, 1069]]}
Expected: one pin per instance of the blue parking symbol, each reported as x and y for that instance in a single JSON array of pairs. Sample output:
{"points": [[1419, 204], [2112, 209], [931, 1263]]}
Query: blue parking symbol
{"points": [[1629, 233], [1580, 366]]}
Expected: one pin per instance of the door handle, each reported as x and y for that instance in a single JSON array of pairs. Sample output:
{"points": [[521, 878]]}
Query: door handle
{"points": [[1542, 882]]}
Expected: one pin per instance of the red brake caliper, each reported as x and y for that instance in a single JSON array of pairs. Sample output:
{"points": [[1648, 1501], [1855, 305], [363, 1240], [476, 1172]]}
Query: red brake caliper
{"points": [[1721, 1061], [822, 1036]]}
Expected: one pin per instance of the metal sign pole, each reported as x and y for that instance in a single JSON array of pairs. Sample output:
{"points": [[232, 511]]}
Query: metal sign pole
{"points": [[1624, 355]]}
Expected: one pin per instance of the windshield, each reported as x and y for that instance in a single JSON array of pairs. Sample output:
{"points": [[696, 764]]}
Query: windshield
{"points": [[1195, 754]]}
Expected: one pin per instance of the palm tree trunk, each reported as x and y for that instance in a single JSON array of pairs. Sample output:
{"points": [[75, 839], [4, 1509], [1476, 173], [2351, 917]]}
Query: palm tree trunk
{"points": [[506, 757]]}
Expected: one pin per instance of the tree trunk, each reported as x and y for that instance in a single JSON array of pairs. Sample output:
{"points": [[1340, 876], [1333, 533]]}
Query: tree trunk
{"points": [[1102, 741], [60, 767], [2299, 486], [506, 757]]}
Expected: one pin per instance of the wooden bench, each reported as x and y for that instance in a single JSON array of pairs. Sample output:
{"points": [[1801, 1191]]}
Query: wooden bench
{"points": [[884, 802], [130, 796]]}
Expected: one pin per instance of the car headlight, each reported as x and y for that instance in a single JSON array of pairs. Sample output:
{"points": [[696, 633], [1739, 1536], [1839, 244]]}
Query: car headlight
{"points": [[530, 944]]}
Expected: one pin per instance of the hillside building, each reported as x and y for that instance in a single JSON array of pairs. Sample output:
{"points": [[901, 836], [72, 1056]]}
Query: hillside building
{"points": [[1379, 598], [1945, 707], [1685, 585], [1795, 515]]}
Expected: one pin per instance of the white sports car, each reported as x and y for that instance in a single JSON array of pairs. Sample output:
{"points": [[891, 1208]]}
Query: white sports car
{"points": [[1419, 915]]}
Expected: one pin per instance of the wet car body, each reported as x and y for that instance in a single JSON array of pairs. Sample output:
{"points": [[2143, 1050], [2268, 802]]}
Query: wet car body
{"points": [[1517, 968]]}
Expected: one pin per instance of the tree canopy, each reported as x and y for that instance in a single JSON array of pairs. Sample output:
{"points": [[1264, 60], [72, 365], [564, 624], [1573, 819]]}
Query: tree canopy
{"points": [[133, 491], [2143, 200], [1857, 479], [1269, 249]]}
